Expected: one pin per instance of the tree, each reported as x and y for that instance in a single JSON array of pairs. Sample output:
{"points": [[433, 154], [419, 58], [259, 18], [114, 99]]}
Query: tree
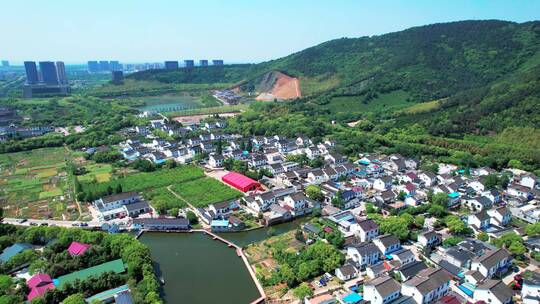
{"points": [[370, 208], [192, 217], [490, 181], [317, 162], [170, 164], [507, 239], [517, 248], [303, 291], [437, 211], [219, 147], [315, 193], [482, 236], [401, 196], [440, 199], [118, 188], [419, 221], [533, 230], [74, 299], [455, 225], [452, 241]]}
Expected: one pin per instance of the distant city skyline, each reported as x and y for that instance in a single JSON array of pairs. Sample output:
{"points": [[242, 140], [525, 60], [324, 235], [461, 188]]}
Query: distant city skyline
{"points": [[235, 31]]}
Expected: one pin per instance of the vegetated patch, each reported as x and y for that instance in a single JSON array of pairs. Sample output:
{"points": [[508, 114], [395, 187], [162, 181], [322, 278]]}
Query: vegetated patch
{"points": [[148, 180], [96, 172], [163, 198], [423, 107], [204, 191], [30, 176], [385, 102]]}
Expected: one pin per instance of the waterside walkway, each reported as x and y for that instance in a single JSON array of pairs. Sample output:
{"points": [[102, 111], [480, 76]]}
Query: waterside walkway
{"points": [[239, 252]]}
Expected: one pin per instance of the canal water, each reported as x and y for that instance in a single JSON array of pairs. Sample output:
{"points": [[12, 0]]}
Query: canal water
{"points": [[198, 269], [245, 238]]}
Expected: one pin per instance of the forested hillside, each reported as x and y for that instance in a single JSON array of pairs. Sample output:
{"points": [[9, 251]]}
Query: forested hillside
{"points": [[468, 87]]}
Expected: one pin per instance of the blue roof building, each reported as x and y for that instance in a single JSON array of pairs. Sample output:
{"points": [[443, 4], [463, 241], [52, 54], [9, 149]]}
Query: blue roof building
{"points": [[13, 250]]}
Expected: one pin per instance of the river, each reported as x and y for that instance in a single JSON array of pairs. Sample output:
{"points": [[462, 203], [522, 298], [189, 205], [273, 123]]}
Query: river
{"points": [[198, 269]]}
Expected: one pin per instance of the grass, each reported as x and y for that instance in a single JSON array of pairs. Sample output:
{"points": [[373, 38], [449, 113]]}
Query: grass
{"points": [[385, 102], [204, 191]]}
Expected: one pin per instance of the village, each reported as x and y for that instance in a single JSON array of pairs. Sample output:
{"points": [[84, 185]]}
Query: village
{"points": [[473, 233]]}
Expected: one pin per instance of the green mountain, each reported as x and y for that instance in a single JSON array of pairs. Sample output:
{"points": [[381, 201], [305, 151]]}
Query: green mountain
{"points": [[478, 76]]}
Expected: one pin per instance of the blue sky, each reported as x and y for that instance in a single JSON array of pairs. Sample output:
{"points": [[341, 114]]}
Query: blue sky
{"points": [[234, 30]]}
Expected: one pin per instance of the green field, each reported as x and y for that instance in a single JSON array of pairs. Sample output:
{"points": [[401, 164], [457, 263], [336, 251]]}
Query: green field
{"points": [[36, 184], [204, 191], [188, 181], [162, 198], [171, 103], [148, 180], [99, 173]]}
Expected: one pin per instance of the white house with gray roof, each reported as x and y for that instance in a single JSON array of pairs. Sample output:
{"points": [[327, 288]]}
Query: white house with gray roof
{"points": [[381, 290], [427, 286], [493, 292]]}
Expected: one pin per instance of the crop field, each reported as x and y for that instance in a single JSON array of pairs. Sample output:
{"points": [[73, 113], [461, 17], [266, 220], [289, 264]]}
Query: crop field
{"points": [[148, 180], [99, 173], [188, 181], [204, 191], [35, 184]]}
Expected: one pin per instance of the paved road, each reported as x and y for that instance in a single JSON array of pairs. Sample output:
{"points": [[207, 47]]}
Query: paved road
{"points": [[32, 222]]}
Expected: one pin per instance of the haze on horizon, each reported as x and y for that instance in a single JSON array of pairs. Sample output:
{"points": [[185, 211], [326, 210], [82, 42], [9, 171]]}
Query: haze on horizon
{"points": [[235, 30]]}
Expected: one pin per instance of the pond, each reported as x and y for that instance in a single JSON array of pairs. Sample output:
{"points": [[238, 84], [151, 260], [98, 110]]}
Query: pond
{"points": [[197, 269]]}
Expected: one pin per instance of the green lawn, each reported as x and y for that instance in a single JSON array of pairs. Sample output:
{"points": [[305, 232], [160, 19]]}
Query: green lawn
{"points": [[204, 191]]}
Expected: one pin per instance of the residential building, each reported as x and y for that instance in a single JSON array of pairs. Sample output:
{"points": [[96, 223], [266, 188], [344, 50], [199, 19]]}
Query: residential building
{"points": [[429, 239], [346, 272], [493, 292], [171, 65], [61, 72], [387, 243], [381, 290], [530, 292], [364, 254], [31, 72], [368, 230], [493, 262], [427, 286]]}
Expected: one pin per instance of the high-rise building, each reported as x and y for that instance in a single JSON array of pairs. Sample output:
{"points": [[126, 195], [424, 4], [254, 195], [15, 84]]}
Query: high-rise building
{"points": [[171, 65], [5, 63], [104, 66], [93, 66], [31, 72], [48, 72], [61, 71], [117, 77], [115, 65], [189, 63], [203, 62], [217, 62]]}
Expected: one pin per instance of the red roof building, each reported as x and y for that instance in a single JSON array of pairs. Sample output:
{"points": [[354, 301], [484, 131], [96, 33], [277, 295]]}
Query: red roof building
{"points": [[240, 182], [39, 284], [77, 248]]}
